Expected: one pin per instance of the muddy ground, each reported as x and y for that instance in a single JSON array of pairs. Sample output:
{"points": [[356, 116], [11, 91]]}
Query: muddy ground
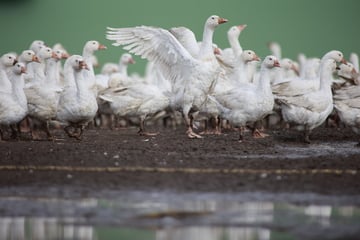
{"points": [[122, 160]]}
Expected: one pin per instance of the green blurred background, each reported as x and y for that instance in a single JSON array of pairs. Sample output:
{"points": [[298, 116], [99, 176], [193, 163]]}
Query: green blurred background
{"points": [[312, 27]]}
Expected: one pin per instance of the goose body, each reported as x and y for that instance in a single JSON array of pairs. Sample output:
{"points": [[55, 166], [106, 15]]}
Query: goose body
{"points": [[77, 104], [310, 110], [249, 103], [191, 78], [13, 106]]}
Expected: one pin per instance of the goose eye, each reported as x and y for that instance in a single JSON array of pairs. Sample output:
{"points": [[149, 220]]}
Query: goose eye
{"points": [[29, 54], [212, 18], [270, 59], [94, 43], [249, 53]]}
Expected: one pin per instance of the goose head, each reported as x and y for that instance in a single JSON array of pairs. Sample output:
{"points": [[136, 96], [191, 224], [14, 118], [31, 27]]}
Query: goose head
{"points": [[45, 53], [234, 31], [36, 45], [19, 68], [288, 64], [64, 52], [213, 21], [248, 56], [336, 55], [8, 59], [126, 59], [346, 70], [331, 65], [60, 54], [77, 62], [92, 46], [28, 56], [270, 62]]}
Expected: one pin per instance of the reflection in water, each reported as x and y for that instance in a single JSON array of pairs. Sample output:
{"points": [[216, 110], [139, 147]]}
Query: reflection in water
{"points": [[165, 218]]}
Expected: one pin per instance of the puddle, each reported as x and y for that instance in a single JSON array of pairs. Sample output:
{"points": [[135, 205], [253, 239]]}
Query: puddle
{"points": [[175, 216], [297, 152]]}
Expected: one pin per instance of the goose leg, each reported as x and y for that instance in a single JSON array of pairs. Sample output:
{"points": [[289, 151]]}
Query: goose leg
{"points": [[256, 132], [142, 131], [241, 133], [217, 125], [46, 129], [189, 123], [307, 135], [190, 132]]}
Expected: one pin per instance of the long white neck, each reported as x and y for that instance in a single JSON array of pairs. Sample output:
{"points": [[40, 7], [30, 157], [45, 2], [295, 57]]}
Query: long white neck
{"points": [[18, 83], [354, 59], [264, 80], [123, 68], [235, 45], [326, 77], [88, 55], [206, 49], [240, 73], [39, 72], [89, 74], [52, 71], [69, 76], [5, 84]]}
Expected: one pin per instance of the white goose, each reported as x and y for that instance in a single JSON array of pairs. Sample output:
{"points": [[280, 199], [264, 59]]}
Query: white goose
{"points": [[346, 74], [231, 54], [310, 110], [347, 71], [192, 78], [36, 45], [250, 103], [138, 100], [28, 56], [88, 54], [6, 61], [13, 106], [77, 105], [42, 93], [297, 86], [121, 78], [237, 76], [349, 113]]}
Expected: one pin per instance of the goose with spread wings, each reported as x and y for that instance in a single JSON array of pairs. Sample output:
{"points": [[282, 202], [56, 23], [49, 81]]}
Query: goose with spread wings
{"points": [[192, 78]]}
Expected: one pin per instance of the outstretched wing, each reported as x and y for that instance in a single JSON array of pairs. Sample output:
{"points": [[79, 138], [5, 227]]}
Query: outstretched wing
{"points": [[157, 45]]}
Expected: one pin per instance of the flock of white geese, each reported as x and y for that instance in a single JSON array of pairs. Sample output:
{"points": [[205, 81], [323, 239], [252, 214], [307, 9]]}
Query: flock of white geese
{"points": [[195, 78]]}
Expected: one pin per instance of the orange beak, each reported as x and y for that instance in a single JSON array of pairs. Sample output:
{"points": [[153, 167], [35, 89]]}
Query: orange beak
{"points": [[53, 55], [35, 59], [222, 20], [102, 47], [83, 65], [276, 63], [131, 61], [343, 61], [217, 51], [65, 55], [242, 27], [23, 70], [256, 58]]}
